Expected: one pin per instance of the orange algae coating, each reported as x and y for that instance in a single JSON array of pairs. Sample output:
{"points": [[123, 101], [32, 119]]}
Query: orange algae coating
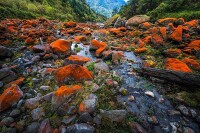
{"points": [[194, 45], [163, 31], [16, 82], [176, 65], [192, 23], [82, 107], [156, 38], [100, 45], [61, 45], [166, 20], [70, 24], [140, 50], [9, 97], [65, 91], [74, 71], [192, 63], [177, 34], [80, 38], [78, 58]]}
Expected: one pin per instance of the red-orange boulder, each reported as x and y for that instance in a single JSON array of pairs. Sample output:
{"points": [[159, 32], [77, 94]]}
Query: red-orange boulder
{"points": [[70, 24], [192, 63], [194, 45], [177, 35], [77, 59], [156, 38], [140, 50], [98, 46], [79, 39], [172, 52], [9, 97], [72, 72], [176, 65], [61, 46], [166, 21], [66, 91]]}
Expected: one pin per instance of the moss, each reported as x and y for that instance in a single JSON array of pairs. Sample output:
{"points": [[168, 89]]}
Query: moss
{"points": [[90, 67], [192, 99], [77, 49]]}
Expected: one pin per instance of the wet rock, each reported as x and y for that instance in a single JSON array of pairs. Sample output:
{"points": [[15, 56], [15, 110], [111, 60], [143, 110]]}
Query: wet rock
{"points": [[114, 115], [32, 103], [9, 97], [37, 113], [80, 128], [68, 120], [6, 121], [101, 66], [7, 75], [149, 93], [15, 113], [33, 127], [131, 98], [5, 52], [183, 110], [45, 127], [138, 19], [136, 128], [123, 91], [85, 118]]}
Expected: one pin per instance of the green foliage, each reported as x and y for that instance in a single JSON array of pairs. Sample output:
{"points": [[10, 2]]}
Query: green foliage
{"points": [[64, 10], [90, 67]]}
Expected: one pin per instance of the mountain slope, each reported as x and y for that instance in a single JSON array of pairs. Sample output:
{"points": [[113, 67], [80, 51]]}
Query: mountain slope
{"points": [[76, 10], [105, 7]]}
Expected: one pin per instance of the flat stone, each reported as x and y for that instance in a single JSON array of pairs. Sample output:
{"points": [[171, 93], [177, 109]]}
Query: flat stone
{"points": [[32, 103], [80, 128]]}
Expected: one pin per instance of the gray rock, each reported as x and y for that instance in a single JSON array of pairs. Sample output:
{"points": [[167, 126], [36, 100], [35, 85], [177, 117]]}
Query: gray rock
{"points": [[120, 23], [45, 88], [33, 127], [5, 52], [68, 120], [15, 113], [7, 121], [80, 128], [188, 130], [136, 128], [19, 104], [32, 103], [97, 120], [183, 110], [85, 117], [101, 66], [114, 115], [7, 75], [193, 113], [89, 105], [152, 120], [37, 113]]}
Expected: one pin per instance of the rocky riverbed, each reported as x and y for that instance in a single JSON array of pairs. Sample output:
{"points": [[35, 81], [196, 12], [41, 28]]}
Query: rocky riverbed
{"points": [[68, 77]]}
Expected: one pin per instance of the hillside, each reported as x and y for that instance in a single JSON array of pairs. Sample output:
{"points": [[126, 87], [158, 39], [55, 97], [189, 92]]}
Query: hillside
{"points": [[76, 10], [187, 9], [105, 7]]}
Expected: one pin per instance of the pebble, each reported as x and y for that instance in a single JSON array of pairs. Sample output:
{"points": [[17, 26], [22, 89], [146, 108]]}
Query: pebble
{"points": [[131, 98], [149, 93], [7, 121], [19, 104], [15, 113], [123, 91]]}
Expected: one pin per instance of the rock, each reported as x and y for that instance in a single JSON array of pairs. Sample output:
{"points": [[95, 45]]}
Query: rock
{"points": [[156, 36], [45, 127], [120, 23], [18, 82], [33, 127], [194, 45], [192, 63], [136, 128], [76, 59], [138, 19], [5, 52], [45, 88], [7, 75], [72, 72], [131, 98], [9, 97], [61, 46], [114, 115], [174, 113], [183, 110], [188, 130], [39, 48], [176, 65], [177, 35], [165, 21], [85, 118], [172, 53], [68, 120], [62, 94], [95, 87], [88, 105], [15, 113], [70, 24], [145, 25], [112, 20], [153, 120], [173, 126], [98, 46], [109, 82], [35, 59], [117, 56], [80, 128], [101, 66], [97, 120], [79, 39], [37, 113], [193, 113], [6, 121], [123, 91], [32, 103], [140, 50], [149, 93]]}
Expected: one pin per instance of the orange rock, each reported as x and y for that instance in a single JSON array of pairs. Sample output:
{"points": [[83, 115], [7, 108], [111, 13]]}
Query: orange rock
{"points": [[176, 65], [194, 45], [140, 43], [166, 21], [100, 46], [140, 50], [163, 31], [192, 63], [63, 46], [66, 91], [70, 24], [77, 59], [147, 39], [192, 23], [30, 41], [149, 63], [145, 25], [170, 27], [115, 31], [16, 82], [177, 34], [9, 97], [72, 72], [173, 52], [155, 37], [79, 39]]}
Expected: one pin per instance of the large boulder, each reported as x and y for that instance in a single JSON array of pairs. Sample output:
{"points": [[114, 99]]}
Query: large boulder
{"points": [[98, 46], [9, 97], [112, 20], [61, 46], [121, 22], [5, 52], [138, 19], [177, 35]]}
